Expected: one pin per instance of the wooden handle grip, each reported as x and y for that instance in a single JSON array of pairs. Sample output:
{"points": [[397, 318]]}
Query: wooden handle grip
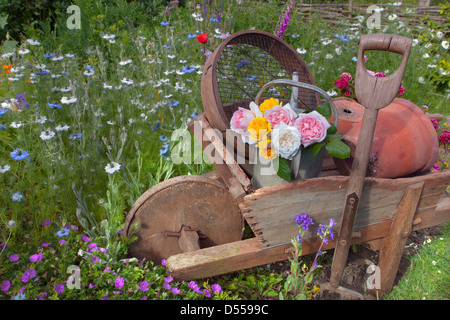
{"points": [[385, 42], [378, 92]]}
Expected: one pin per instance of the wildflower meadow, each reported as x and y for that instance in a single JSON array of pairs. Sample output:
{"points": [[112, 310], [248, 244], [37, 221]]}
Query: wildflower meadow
{"points": [[91, 92]]}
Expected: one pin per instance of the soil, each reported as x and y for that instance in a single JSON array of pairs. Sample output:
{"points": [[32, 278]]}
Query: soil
{"points": [[356, 272]]}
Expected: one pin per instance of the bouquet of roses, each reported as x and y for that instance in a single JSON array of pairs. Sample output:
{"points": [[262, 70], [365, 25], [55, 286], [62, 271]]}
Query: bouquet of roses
{"points": [[278, 131]]}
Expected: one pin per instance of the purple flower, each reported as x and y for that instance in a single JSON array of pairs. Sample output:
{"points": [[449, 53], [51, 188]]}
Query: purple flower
{"points": [[286, 20], [303, 220], [207, 293], [176, 291], [14, 257], [163, 262], [47, 223], [216, 288], [166, 286], [144, 286], [19, 154], [107, 270], [168, 279], [29, 274], [62, 242], [36, 257], [119, 283], [5, 285], [59, 288], [45, 244]]}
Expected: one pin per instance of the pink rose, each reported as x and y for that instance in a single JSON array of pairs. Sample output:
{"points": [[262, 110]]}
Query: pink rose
{"points": [[278, 114], [401, 91], [241, 120], [312, 126]]}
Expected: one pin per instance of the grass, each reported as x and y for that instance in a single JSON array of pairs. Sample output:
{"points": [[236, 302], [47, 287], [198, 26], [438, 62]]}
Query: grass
{"points": [[428, 277], [95, 109]]}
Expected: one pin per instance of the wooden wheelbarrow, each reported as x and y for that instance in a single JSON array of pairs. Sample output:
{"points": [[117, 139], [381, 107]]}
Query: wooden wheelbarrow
{"points": [[196, 223]]}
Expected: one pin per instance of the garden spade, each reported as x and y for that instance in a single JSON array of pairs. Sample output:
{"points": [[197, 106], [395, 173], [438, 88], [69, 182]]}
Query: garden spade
{"points": [[374, 93]]}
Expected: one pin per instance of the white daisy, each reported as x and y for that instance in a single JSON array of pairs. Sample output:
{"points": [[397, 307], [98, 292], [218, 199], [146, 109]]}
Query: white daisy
{"points": [[62, 128], [4, 168], [301, 51], [124, 63], [445, 44], [127, 81], [112, 167], [33, 42], [66, 100], [24, 51], [47, 135]]}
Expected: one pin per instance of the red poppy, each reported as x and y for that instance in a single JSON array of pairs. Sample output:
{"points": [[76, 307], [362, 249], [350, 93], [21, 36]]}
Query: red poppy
{"points": [[202, 38]]}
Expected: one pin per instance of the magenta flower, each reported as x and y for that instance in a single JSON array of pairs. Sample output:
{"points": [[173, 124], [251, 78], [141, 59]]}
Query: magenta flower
{"points": [[144, 286], [29, 274], [45, 244], [62, 242], [166, 286], [119, 282], [14, 257], [36, 257], [168, 279], [176, 291], [5, 285], [47, 223], [445, 137], [216, 288], [59, 288]]}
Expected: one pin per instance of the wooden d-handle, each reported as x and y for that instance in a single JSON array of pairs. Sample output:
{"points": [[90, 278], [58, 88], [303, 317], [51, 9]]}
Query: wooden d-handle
{"points": [[378, 92]]}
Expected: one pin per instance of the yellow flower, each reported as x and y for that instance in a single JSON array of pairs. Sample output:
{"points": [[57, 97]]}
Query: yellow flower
{"points": [[264, 149], [268, 104], [258, 128]]}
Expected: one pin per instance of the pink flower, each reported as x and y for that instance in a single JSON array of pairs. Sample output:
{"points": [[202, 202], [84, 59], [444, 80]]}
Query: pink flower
{"points": [[435, 124], [13, 257], [341, 83], [346, 75], [5, 285], [380, 74], [240, 121], [401, 91], [278, 114], [312, 126], [348, 93], [59, 288], [445, 137], [36, 257], [119, 283]]}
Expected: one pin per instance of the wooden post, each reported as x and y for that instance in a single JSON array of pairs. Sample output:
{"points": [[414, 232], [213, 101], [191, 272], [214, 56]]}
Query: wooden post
{"points": [[393, 245]]}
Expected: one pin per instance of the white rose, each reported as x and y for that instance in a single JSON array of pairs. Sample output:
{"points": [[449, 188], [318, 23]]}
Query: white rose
{"points": [[286, 140]]}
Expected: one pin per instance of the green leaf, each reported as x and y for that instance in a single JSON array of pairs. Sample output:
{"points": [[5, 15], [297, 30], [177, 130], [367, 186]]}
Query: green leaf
{"points": [[324, 109], [284, 172], [3, 21], [317, 147], [332, 129], [338, 149]]}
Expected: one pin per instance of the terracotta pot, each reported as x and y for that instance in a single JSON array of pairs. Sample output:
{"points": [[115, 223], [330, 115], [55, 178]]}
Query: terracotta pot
{"points": [[405, 141]]}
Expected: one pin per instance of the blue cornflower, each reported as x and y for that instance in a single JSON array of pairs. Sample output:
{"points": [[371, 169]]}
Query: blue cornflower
{"points": [[19, 154], [41, 73], [166, 46], [3, 111], [188, 69], [251, 78], [342, 37], [164, 150], [50, 55], [63, 232], [55, 106], [163, 138], [20, 296], [173, 103], [243, 63], [17, 197], [74, 136], [156, 126], [194, 115], [165, 23], [192, 36], [354, 59], [213, 20], [3, 127], [295, 36]]}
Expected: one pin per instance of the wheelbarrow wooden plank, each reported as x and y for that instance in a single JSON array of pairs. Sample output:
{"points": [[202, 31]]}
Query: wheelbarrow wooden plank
{"points": [[248, 253], [269, 211]]}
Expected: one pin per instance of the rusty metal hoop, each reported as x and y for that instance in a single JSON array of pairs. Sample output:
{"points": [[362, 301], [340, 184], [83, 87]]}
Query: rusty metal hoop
{"points": [[227, 85]]}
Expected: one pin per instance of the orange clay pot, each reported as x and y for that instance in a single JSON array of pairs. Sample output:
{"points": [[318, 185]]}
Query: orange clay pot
{"points": [[405, 141]]}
